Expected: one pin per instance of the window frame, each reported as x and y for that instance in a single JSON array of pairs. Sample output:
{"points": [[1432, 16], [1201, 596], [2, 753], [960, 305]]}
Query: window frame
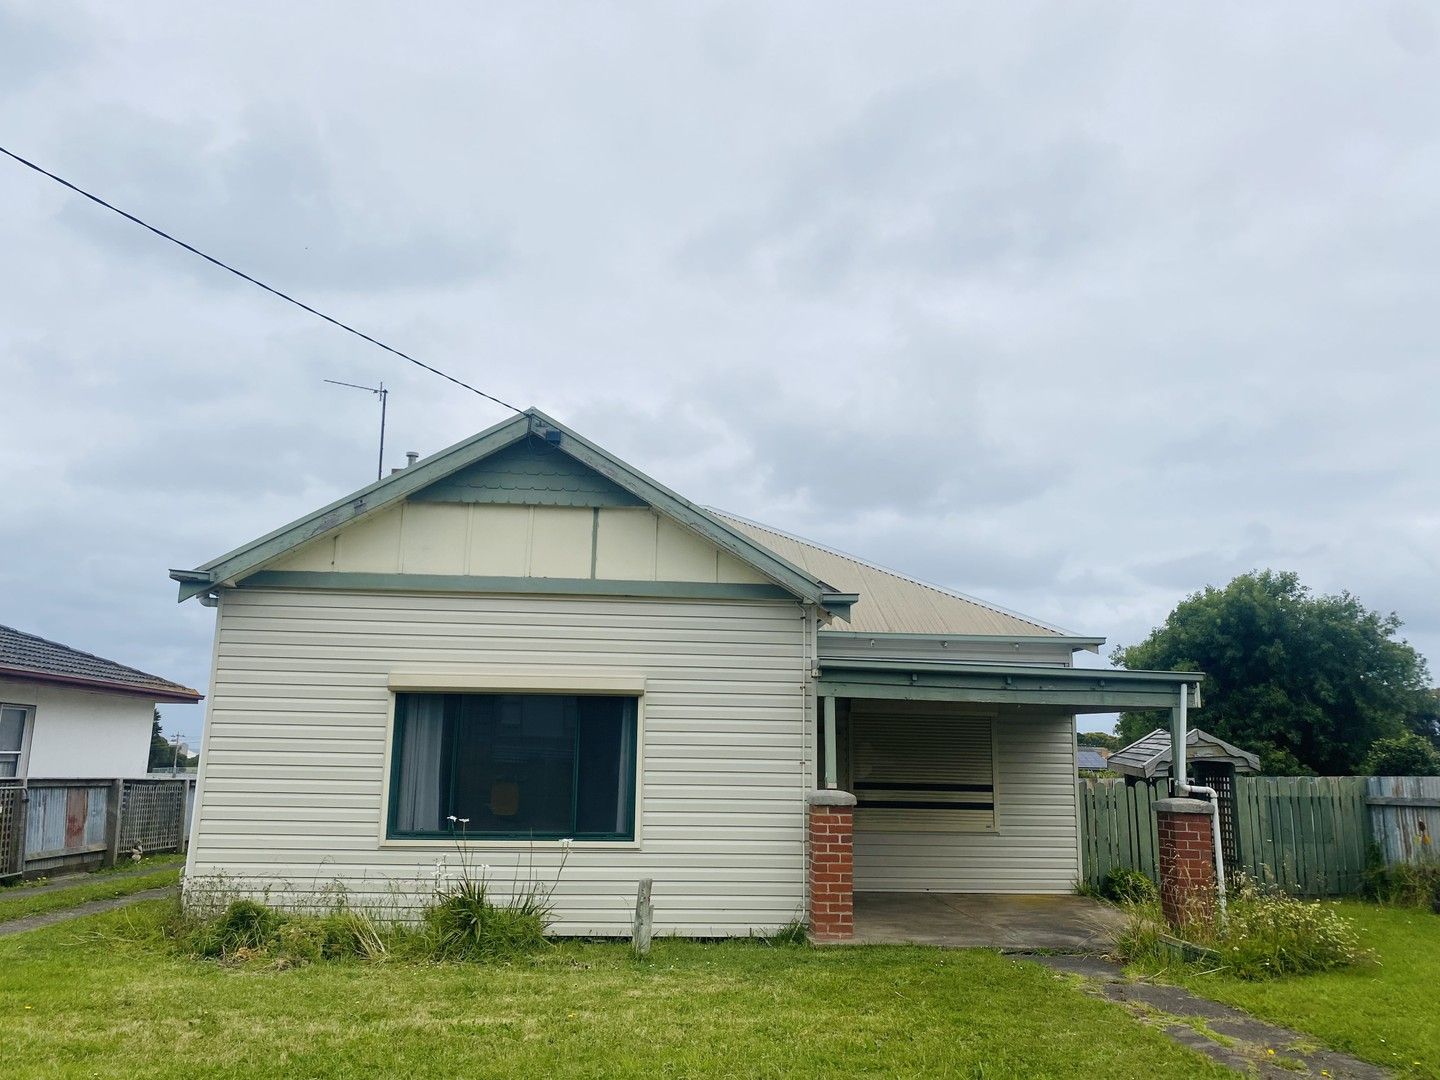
{"points": [[564, 684], [27, 730]]}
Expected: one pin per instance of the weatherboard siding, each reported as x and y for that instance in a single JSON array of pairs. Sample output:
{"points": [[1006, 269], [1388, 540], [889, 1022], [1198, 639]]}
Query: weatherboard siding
{"points": [[294, 769], [1033, 849]]}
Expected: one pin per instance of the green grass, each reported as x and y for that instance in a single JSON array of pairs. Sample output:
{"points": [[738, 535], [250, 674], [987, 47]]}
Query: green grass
{"points": [[108, 996], [1387, 1012], [125, 866], [21, 902]]}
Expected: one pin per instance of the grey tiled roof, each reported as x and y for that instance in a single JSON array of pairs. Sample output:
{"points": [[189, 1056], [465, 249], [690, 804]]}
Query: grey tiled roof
{"points": [[22, 654], [1150, 756]]}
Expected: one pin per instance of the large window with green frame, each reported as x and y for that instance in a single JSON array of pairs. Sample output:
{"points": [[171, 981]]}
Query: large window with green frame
{"points": [[513, 767]]}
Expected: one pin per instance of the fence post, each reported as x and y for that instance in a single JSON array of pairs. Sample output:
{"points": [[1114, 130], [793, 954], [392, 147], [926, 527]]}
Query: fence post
{"points": [[22, 826], [112, 822]]}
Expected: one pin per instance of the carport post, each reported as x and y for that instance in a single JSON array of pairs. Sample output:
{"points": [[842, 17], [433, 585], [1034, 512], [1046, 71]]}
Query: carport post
{"points": [[829, 736]]}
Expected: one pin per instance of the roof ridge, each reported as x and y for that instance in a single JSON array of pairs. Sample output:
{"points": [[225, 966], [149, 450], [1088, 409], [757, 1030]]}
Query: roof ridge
{"points": [[94, 656], [954, 594]]}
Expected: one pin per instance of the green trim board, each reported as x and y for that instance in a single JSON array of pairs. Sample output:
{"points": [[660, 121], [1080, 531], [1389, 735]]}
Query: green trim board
{"points": [[230, 568], [858, 637], [358, 582], [1077, 690]]}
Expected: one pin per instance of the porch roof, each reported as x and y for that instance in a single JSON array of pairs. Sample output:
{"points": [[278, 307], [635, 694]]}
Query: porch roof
{"points": [[1073, 690]]}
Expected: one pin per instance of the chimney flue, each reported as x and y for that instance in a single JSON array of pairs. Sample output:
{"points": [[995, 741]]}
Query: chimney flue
{"points": [[411, 456]]}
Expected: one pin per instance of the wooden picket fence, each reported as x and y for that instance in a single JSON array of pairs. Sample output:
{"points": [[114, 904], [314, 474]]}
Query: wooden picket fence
{"points": [[1307, 834]]}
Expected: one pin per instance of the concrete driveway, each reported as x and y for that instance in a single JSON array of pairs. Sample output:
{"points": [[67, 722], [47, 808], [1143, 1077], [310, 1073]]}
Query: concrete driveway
{"points": [[985, 920]]}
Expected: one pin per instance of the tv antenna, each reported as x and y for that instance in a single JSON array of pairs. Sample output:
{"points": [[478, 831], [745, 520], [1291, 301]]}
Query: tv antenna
{"points": [[380, 390]]}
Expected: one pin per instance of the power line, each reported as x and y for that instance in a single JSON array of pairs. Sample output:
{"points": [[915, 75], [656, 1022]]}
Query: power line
{"points": [[253, 281]]}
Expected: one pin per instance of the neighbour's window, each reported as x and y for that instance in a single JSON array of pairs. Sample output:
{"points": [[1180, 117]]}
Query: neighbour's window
{"points": [[513, 766], [13, 719]]}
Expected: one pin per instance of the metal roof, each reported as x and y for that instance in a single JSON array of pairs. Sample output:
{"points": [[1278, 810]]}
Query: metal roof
{"points": [[27, 656], [891, 602], [1149, 757]]}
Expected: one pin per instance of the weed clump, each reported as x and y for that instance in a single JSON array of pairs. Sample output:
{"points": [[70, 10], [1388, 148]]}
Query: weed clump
{"points": [[1127, 886], [1265, 933]]}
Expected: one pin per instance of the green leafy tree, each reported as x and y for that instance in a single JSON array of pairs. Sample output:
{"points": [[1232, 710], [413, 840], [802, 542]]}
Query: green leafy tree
{"points": [[1101, 739], [1307, 682], [1404, 755]]}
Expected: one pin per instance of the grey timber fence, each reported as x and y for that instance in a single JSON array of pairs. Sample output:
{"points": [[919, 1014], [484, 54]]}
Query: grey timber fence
{"points": [[1310, 835], [48, 825]]}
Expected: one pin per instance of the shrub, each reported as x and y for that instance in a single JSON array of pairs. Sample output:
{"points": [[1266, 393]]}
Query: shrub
{"points": [[1405, 755], [244, 925], [466, 924], [1265, 933], [1127, 886]]}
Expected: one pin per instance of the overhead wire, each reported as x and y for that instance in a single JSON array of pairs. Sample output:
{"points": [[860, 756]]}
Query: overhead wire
{"points": [[253, 280]]}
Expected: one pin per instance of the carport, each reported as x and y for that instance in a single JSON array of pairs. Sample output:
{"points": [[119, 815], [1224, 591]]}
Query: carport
{"points": [[953, 787]]}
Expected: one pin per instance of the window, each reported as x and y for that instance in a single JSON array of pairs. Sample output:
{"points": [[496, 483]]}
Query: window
{"points": [[13, 722], [513, 766]]}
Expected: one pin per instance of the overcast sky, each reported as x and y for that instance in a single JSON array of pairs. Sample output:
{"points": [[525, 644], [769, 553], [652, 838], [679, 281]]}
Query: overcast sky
{"points": [[1076, 308]]}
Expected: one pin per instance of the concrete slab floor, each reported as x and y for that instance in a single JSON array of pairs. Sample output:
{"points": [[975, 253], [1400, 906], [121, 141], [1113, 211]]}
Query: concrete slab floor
{"points": [[985, 920]]}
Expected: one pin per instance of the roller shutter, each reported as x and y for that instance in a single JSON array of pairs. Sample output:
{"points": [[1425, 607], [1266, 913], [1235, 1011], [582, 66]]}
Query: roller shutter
{"points": [[922, 772]]}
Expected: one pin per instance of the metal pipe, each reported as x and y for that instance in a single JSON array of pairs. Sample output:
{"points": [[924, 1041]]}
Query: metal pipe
{"points": [[1196, 789]]}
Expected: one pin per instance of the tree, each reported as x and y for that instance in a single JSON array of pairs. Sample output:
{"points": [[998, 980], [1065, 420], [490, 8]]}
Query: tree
{"points": [[1404, 755], [160, 748], [1308, 682], [1101, 739]]}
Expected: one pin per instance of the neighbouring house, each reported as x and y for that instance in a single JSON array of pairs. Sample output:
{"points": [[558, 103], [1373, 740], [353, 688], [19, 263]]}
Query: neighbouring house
{"points": [[524, 653], [1091, 759], [67, 713]]}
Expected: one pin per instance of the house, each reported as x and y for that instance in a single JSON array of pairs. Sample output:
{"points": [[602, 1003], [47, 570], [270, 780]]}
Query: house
{"points": [[523, 652], [1091, 759], [67, 713]]}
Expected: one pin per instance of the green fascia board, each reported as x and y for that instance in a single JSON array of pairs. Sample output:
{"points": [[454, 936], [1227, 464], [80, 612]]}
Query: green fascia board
{"points": [[382, 493], [1072, 689], [683, 511], [228, 568], [460, 583], [1076, 643]]}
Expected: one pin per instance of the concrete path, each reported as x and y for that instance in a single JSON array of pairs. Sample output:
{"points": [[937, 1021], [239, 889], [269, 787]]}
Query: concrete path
{"points": [[92, 907], [1222, 1033], [985, 921]]}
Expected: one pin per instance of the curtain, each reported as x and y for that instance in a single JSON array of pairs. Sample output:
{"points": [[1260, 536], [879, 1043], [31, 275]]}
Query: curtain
{"points": [[624, 787], [420, 749]]}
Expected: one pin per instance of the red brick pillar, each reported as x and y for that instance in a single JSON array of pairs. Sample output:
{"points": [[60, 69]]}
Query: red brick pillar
{"points": [[832, 865], [1187, 861]]}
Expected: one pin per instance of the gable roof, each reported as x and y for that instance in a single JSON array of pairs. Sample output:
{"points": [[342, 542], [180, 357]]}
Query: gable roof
{"points": [[1149, 756], [27, 656], [891, 602], [450, 467]]}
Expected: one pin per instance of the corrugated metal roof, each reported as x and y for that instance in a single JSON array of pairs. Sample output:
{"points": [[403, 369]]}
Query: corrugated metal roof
{"points": [[23, 655], [891, 602]]}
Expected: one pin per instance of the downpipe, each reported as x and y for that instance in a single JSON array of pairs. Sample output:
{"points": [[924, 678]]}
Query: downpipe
{"points": [[1214, 798]]}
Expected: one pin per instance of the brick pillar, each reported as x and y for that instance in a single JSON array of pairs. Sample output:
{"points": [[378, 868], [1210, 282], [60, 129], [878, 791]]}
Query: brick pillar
{"points": [[1187, 861], [831, 865]]}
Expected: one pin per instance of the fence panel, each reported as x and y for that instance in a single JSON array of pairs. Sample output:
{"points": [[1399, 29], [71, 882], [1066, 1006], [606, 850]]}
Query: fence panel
{"points": [[12, 829], [1405, 816], [152, 815], [1306, 834], [65, 817]]}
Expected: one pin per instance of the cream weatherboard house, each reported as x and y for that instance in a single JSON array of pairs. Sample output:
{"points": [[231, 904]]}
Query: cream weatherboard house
{"points": [[525, 648]]}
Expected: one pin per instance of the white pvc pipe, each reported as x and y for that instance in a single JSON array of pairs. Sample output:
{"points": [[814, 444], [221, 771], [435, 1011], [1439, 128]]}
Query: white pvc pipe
{"points": [[1179, 769]]}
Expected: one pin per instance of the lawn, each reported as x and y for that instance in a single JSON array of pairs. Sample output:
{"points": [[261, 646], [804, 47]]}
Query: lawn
{"points": [[107, 996], [20, 901], [1387, 1012]]}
